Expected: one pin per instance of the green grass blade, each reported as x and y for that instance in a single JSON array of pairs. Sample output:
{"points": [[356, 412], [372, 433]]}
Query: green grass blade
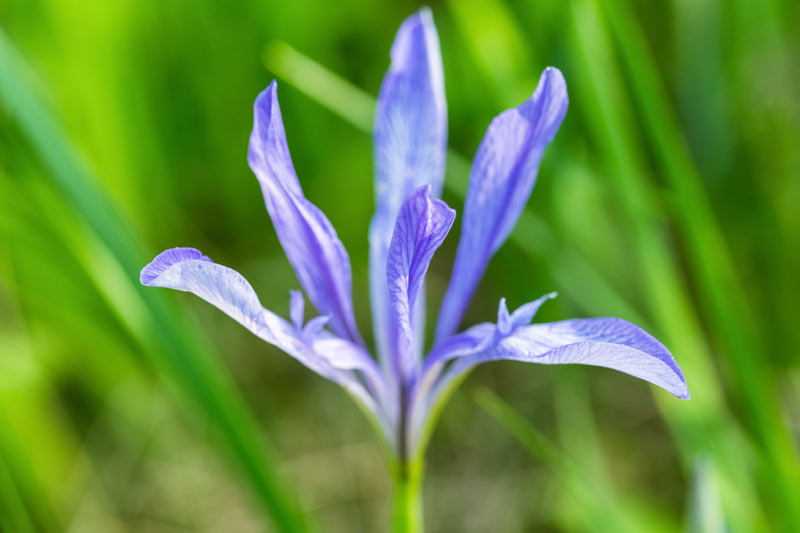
{"points": [[23, 502], [172, 344], [711, 262], [497, 47], [13, 514], [580, 439], [592, 501], [613, 124], [705, 509], [704, 426]]}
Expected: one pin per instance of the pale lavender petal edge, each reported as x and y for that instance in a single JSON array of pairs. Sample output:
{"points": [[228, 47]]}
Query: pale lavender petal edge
{"points": [[188, 270]]}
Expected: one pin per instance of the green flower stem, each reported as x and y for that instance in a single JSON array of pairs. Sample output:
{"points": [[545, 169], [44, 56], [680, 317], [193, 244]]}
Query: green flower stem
{"points": [[407, 497]]}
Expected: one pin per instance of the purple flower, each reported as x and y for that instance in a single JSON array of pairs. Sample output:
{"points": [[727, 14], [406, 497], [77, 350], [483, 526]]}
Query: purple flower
{"points": [[401, 387]]}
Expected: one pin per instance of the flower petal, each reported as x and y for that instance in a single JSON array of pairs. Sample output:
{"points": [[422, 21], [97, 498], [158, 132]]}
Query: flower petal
{"points": [[483, 336], [607, 342], [422, 225], [187, 269], [296, 309], [502, 177], [410, 145], [308, 238]]}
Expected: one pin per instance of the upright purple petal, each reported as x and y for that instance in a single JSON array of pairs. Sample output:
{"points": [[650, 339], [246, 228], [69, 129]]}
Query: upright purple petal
{"points": [[410, 145], [502, 177], [307, 237], [422, 225]]}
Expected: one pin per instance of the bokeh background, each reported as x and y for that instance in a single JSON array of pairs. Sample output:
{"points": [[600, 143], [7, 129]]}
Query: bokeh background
{"points": [[670, 197]]}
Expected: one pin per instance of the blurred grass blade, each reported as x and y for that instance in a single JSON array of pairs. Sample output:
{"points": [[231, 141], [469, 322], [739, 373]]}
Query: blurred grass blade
{"points": [[356, 106], [580, 441], [711, 262], [611, 118], [13, 514], [344, 99], [593, 502], [498, 48], [705, 509], [704, 426], [23, 505], [174, 347]]}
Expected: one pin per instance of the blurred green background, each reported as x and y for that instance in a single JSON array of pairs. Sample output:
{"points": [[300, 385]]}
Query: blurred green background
{"points": [[670, 197]]}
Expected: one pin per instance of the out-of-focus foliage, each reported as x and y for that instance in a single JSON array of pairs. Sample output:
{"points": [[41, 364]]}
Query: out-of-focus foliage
{"points": [[671, 197]]}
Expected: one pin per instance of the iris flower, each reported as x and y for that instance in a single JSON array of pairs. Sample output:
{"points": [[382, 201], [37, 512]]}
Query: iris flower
{"points": [[402, 387]]}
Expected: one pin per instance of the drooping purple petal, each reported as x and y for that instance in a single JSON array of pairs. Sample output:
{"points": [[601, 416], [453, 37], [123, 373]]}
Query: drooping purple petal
{"points": [[187, 269], [422, 224], [308, 238], [410, 145], [607, 342], [502, 177]]}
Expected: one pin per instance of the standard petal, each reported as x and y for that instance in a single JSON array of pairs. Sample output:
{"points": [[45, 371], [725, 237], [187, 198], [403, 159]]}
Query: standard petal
{"points": [[422, 225], [607, 342], [502, 177], [187, 269], [410, 144], [307, 237]]}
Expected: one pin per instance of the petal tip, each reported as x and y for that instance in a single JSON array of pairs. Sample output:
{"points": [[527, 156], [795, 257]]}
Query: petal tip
{"points": [[163, 261], [416, 36], [425, 15], [552, 91], [265, 100], [684, 394], [554, 74], [554, 79]]}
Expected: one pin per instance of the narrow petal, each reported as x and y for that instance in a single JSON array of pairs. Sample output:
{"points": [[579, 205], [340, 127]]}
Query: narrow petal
{"points": [[502, 177], [410, 145], [524, 314], [187, 269], [481, 337], [296, 309], [308, 238], [607, 342], [422, 225]]}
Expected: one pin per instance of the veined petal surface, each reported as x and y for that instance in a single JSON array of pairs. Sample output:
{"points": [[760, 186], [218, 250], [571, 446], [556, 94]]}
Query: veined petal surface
{"points": [[422, 225], [410, 145], [501, 179], [308, 238], [187, 269], [607, 342]]}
